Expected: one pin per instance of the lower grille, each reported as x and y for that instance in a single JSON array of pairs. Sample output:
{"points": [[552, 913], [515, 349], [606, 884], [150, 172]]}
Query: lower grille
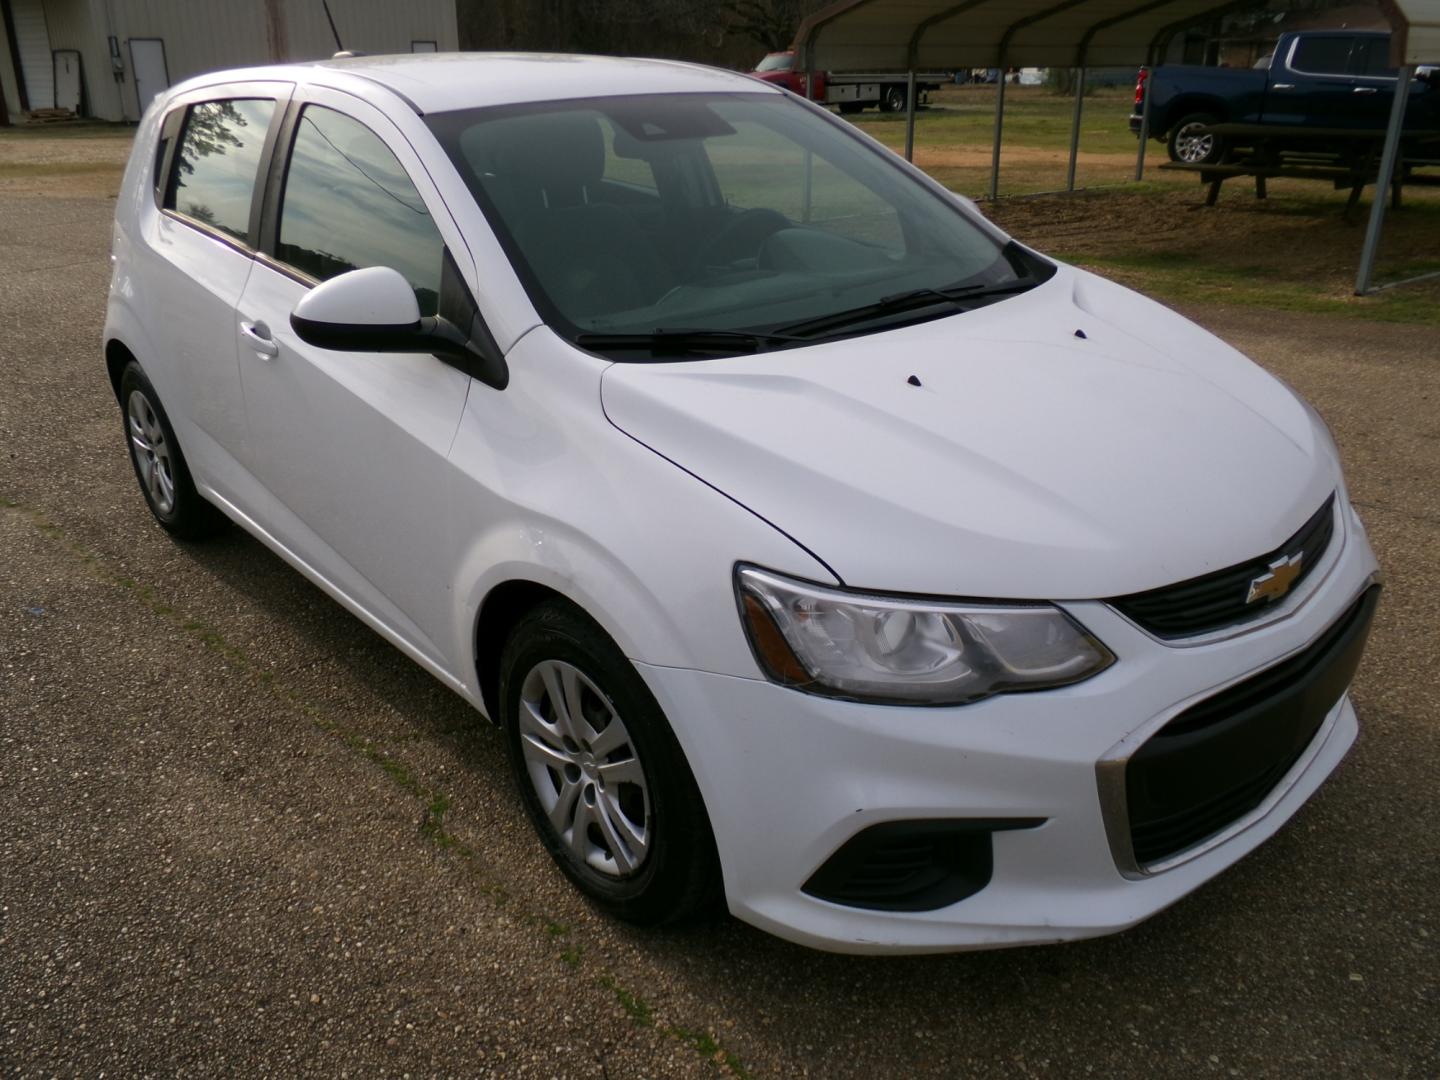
{"points": [[1219, 760]]}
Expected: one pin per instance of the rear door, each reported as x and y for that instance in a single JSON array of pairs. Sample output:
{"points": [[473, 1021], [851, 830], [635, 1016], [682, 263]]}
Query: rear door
{"points": [[1375, 80], [197, 256], [349, 449], [1312, 83]]}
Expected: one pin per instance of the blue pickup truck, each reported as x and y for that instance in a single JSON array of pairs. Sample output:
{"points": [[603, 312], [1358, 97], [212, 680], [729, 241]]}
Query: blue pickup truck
{"points": [[1314, 78]]}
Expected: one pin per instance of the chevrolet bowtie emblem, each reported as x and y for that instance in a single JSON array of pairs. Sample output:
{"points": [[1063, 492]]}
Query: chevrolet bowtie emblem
{"points": [[1276, 581]]}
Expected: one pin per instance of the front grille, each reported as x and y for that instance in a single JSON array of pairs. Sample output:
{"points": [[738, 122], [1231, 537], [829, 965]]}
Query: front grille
{"points": [[1219, 759], [1219, 599]]}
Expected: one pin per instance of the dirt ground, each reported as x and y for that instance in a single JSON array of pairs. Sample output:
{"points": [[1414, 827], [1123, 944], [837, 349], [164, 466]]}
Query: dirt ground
{"points": [[64, 160]]}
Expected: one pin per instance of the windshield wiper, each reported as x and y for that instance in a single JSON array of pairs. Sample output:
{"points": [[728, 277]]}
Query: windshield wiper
{"points": [[959, 297], [677, 340]]}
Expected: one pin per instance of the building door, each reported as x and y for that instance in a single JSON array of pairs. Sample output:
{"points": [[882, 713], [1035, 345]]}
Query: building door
{"points": [[32, 42], [147, 62], [67, 80]]}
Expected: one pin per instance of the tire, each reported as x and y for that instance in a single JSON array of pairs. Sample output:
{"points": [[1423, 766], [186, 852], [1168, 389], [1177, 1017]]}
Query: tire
{"points": [[1189, 149], [646, 854], [850, 108], [159, 465], [892, 99]]}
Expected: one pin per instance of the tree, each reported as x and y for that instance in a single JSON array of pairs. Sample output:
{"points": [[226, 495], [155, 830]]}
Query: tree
{"points": [[770, 22]]}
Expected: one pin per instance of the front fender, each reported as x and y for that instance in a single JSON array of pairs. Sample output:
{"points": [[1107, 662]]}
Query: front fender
{"points": [[546, 490]]}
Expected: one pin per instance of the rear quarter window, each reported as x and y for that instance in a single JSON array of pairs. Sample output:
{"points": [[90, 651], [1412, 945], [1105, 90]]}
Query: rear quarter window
{"points": [[212, 180]]}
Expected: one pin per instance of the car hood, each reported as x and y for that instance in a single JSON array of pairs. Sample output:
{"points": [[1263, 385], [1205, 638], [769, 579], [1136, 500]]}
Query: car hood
{"points": [[1030, 462]]}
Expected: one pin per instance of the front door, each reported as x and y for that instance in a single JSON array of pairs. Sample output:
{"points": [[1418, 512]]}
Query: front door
{"points": [[147, 62], [350, 449], [67, 80]]}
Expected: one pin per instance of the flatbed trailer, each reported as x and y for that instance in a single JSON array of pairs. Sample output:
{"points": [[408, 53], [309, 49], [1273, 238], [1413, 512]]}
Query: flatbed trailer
{"points": [[850, 91]]}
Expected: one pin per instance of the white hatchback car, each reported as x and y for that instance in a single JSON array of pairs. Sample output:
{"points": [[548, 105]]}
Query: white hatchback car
{"points": [[816, 545]]}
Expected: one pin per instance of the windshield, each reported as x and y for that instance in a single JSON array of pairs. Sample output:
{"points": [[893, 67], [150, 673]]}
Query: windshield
{"points": [[777, 61], [722, 213]]}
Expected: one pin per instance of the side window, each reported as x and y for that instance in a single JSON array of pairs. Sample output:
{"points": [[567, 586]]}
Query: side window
{"points": [[213, 178], [348, 204], [763, 169], [1372, 58], [1322, 55]]}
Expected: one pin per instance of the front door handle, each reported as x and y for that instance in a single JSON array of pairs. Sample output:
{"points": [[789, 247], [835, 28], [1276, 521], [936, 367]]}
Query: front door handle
{"points": [[1282, 86], [1365, 90], [257, 336]]}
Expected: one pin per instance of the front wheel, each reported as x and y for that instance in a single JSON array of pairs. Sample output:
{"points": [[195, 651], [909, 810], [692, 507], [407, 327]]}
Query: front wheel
{"points": [[601, 774], [1188, 145], [850, 108]]}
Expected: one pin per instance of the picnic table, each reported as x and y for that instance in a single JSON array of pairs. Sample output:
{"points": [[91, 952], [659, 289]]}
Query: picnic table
{"points": [[1347, 157]]}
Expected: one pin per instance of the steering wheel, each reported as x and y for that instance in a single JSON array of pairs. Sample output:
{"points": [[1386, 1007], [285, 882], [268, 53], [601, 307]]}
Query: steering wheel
{"points": [[740, 238]]}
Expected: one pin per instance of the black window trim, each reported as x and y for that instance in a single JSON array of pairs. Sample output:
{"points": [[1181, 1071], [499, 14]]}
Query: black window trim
{"points": [[164, 194], [265, 232]]}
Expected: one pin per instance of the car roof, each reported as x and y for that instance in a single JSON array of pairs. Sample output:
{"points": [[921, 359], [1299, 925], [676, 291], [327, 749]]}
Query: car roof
{"points": [[440, 82]]}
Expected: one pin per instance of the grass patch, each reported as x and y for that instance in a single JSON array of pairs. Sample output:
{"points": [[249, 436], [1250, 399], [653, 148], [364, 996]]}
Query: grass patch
{"points": [[1181, 280]]}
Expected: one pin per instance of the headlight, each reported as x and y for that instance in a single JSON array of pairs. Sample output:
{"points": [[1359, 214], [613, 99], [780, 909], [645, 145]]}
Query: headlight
{"points": [[908, 651]]}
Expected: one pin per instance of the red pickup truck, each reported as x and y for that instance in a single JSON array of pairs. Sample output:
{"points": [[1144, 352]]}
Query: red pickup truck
{"points": [[851, 91]]}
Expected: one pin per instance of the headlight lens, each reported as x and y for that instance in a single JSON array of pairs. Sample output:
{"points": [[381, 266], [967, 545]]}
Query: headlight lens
{"points": [[903, 651]]}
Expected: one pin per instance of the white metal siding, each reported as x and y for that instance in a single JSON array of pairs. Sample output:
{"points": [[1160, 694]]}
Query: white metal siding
{"points": [[371, 26], [73, 24], [33, 41], [208, 36]]}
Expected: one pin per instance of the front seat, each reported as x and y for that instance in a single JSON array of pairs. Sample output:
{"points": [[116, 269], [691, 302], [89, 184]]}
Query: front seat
{"points": [[544, 174]]}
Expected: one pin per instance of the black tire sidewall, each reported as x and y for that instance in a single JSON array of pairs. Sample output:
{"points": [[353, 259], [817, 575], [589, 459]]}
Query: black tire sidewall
{"points": [[678, 874], [1217, 150], [191, 517]]}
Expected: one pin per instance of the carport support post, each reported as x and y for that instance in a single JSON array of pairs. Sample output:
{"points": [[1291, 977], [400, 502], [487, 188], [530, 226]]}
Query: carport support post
{"points": [[999, 128], [1382, 181], [1075, 129], [910, 116]]}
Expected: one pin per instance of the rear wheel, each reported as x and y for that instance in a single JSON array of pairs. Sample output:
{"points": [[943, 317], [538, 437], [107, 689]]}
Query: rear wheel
{"points": [[892, 99], [601, 775], [1190, 146], [159, 465]]}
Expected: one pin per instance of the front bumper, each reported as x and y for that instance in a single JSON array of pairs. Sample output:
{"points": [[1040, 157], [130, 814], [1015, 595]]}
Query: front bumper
{"points": [[789, 778]]}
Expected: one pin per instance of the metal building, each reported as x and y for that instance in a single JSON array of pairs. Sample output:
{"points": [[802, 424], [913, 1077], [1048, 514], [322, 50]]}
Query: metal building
{"points": [[107, 58]]}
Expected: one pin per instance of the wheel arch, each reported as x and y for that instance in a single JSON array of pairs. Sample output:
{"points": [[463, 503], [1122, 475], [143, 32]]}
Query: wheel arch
{"points": [[117, 356], [500, 612], [1190, 104]]}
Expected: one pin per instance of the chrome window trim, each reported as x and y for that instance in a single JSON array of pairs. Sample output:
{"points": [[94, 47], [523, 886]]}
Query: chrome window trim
{"points": [[1110, 770]]}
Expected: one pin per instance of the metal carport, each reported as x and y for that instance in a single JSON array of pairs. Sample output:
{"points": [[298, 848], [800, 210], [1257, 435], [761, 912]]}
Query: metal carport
{"points": [[911, 35]]}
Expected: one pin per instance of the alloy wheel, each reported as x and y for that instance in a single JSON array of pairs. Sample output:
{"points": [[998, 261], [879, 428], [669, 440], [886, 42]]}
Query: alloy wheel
{"points": [[1193, 148], [584, 768], [151, 452]]}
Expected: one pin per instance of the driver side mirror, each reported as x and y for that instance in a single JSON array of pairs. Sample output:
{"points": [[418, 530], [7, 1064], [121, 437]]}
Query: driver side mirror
{"points": [[374, 310]]}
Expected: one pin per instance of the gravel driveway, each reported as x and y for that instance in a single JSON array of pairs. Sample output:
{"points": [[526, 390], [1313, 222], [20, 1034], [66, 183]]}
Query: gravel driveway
{"points": [[242, 834]]}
